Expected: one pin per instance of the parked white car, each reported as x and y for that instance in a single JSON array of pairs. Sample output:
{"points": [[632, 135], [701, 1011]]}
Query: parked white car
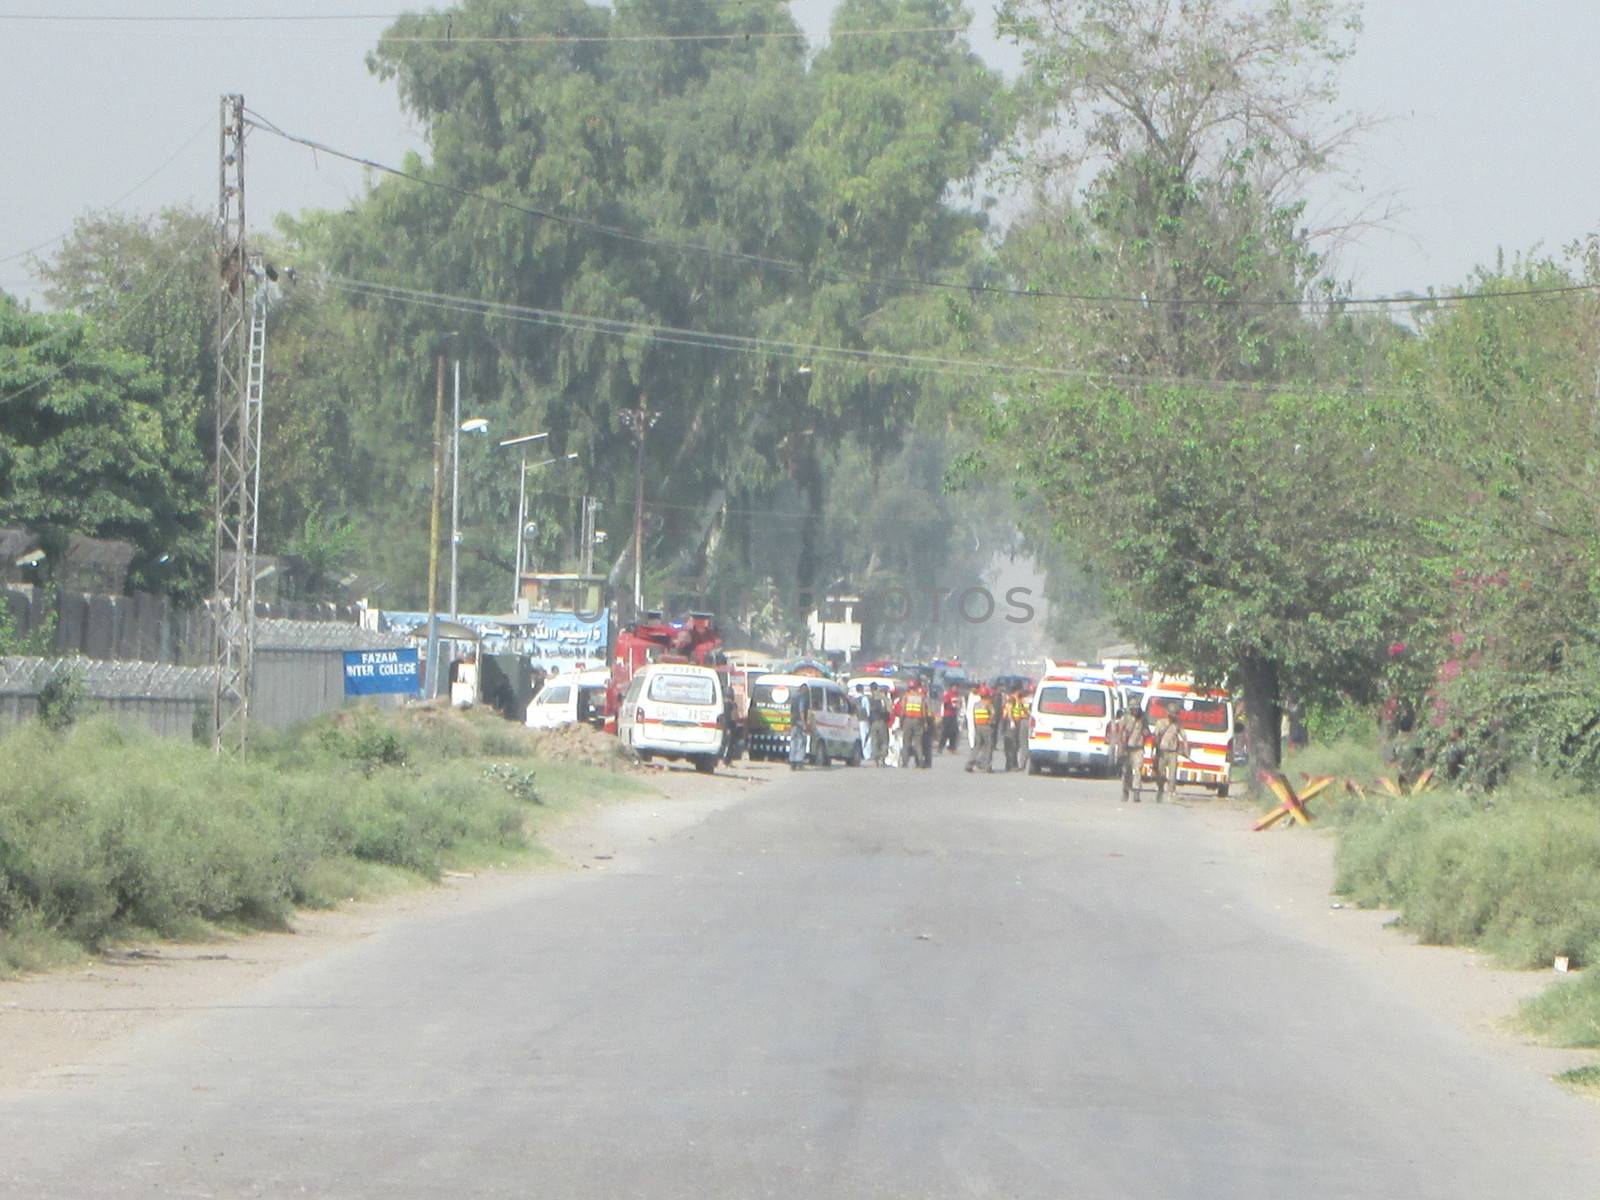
{"points": [[674, 710], [570, 699]]}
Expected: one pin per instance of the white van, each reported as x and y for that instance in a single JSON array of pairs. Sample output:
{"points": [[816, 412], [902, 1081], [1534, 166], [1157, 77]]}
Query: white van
{"points": [[569, 700], [1070, 727], [674, 710], [831, 709]]}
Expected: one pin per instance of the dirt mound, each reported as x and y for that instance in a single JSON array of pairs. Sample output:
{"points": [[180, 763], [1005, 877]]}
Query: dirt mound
{"points": [[582, 744]]}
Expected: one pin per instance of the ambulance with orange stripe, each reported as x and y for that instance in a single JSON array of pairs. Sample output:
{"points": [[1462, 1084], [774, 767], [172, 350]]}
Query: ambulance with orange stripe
{"points": [[1206, 718], [1074, 707]]}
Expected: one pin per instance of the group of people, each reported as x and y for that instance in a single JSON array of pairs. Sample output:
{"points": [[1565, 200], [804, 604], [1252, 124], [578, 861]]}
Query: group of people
{"points": [[911, 726], [1132, 731]]}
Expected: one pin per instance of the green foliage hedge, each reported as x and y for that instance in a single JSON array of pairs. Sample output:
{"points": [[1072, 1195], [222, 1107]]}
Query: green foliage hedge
{"points": [[104, 830], [1518, 874]]}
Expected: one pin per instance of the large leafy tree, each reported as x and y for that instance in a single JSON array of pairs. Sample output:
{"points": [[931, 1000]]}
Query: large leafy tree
{"points": [[1249, 542], [147, 282], [845, 165], [1214, 465], [92, 443], [1511, 655]]}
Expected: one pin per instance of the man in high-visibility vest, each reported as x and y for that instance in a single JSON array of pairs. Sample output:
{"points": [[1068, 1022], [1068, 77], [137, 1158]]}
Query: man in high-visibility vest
{"points": [[1015, 728], [983, 721], [914, 712]]}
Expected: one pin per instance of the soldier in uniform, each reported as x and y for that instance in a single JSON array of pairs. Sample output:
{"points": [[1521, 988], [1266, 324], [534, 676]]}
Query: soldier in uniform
{"points": [[983, 721], [1129, 732], [878, 724], [1172, 746]]}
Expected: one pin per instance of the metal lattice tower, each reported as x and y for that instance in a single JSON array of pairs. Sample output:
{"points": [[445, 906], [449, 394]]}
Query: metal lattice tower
{"points": [[237, 461]]}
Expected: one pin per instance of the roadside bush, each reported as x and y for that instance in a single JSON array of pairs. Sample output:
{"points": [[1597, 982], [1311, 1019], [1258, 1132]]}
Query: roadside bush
{"points": [[1347, 758], [105, 830], [1568, 1013], [1518, 874], [1328, 724], [61, 699]]}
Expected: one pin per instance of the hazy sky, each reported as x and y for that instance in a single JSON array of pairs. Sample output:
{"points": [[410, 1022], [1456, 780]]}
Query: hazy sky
{"points": [[1491, 141]]}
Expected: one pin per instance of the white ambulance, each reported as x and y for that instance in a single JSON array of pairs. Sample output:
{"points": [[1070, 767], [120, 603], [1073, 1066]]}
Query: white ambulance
{"points": [[1206, 718], [1074, 707], [674, 710]]}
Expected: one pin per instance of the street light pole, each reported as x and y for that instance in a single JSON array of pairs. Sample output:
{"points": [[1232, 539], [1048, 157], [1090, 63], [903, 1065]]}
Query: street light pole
{"points": [[522, 511], [431, 680], [455, 493], [522, 515]]}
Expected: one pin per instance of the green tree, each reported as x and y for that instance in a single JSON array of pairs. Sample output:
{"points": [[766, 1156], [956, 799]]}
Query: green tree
{"points": [[147, 283], [845, 165], [1509, 663], [92, 443], [1214, 466]]}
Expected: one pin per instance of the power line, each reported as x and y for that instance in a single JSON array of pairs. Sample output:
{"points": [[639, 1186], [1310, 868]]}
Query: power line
{"points": [[564, 39], [105, 208], [84, 23], [908, 283], [188, 18], [804, 351], [224, 18]]}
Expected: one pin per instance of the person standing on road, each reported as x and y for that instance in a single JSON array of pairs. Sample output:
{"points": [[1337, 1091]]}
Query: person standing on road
{"points": [[799, 726], [950, 720], [1172, 747], [913, 722], [731, 728], [1129, 733], [863, 704], [878, 725], [1016, 728], [982, 732], [930, 725]]}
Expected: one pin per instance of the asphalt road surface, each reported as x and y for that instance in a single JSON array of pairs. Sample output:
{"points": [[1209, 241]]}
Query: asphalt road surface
{"points": [[852, 983]]}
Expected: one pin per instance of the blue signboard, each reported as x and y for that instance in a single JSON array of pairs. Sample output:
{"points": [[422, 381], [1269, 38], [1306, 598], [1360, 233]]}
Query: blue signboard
{"points": [[382, 673], [559, 641]]}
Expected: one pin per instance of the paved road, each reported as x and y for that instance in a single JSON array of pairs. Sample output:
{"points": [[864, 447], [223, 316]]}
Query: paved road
{"points": [[851, 984]]}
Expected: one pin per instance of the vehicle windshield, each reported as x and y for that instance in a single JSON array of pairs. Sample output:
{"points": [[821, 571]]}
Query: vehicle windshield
{"points": [[1072, 700], [683, 689], [770, 694], [1201, 715]]}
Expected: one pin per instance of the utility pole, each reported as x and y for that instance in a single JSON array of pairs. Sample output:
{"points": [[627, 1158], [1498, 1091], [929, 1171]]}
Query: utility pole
{"points": [[430, 686], [638, 515], [522, 515], [639, 421], [238, 463], [455, 491]]}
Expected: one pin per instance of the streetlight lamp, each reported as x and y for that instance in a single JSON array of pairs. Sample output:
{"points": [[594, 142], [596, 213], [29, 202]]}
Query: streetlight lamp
{"points": [[472, 425], [522, 502]]}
